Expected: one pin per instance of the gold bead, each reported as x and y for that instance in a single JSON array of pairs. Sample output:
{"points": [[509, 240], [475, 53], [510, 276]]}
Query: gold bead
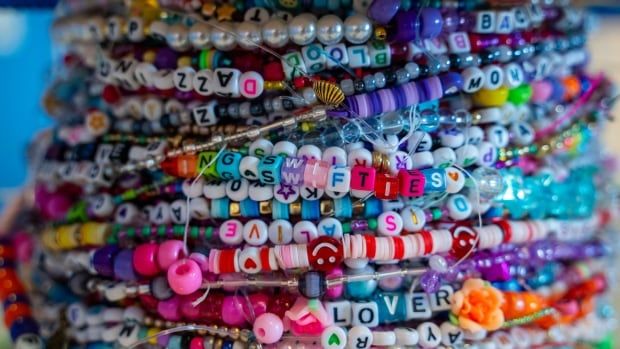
{"points": [[218, 343], [235, 209], [295, 208], [380, 33], [358, 208], [328, 93], [149, 56], [377, 160], [184, 61], [264, 207], [326, 207], [268, 85]]}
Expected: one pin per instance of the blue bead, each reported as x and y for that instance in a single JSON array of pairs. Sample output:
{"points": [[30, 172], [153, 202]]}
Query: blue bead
{"points": [[269, 169], [227, 344], [392, 307], [174, 342], [249, 208], [435, 180], [279, 210], [99, 345], [227, 165], [360, 289], [343, 208], [310, 210], [23, 325], [219, 208], [372, 207]]}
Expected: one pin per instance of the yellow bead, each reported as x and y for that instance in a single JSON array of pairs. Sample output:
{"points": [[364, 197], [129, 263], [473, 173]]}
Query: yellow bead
{"points": [[380, 33], [66, 236], [151, 335], [149, 56], [490, 98], [184, 61], [268, 85], [94, 234], [279, 85], [49, 239]]}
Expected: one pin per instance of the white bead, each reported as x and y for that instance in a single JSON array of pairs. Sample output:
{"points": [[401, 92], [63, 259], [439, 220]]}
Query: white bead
{"points": [[76, 314], [144, 74], [389, 223], [178, 211], [102, 205], [199, 208], [339, 312], [115, 292], [451, 137], [473, 79], [422, 159], [429, 335], [214, 190], [226, 82], [337, 55], [160, 214], [231, 232], [455, 180], [129, 334], [498, 136], [505, 22], [359, 337], [458, 42], [133, 313], [356, 263], [286, 193], [451, 335], [522, 132], [249, 260], [335, 156], [29, 341], [162, 79], [251, 84], [256, 14], [383, 338], [203, 82], [459, 207], [110, 334], [502, 340], [260, 147], [193, 187], [333, 337], [309, 151], [419, 141], [473, 135], [126, 214], [238, 190], [443, 157], [330, 227], [260, 192], [466, 155], [248, 167], [406, 336], [513, 75], [440, 300], [314, 58], [365, 314], [293, 65], [485, 22], [112, 315], [204, 115], [493, 76], [280, 232], [285, 148], [399, 160], [521, 17], [338, 179], [304, 232], [521, 337], [359, 157], [413, 218], [418, 306], [255, 232], [310, 193], [183, 78], [359, 56]]}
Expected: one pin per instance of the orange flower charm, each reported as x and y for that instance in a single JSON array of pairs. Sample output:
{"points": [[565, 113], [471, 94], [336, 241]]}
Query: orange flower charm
{"points": [[478, 306]]}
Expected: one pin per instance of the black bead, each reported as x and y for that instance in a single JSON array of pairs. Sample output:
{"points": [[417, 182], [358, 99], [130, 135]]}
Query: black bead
{"points": [[312, 284], [221, 111], [287, 104], [257, 109], [359, 87], [164, 121]]}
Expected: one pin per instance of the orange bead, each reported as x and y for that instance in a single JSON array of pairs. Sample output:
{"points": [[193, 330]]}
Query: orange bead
{"points": [[9, 283], [14, 312], [520, 304], [7, 252], [572, 87]]}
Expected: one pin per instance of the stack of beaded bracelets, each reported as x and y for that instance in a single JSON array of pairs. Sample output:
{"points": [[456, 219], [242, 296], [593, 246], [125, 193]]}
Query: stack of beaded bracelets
{"points": [[318, 174]]}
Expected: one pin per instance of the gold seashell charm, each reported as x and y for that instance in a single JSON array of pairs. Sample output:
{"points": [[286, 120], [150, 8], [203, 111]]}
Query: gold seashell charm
{"points": [[328, 93]]}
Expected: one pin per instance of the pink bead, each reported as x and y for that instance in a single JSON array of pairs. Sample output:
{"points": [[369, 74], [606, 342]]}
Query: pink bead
{"points": [[169, 252], [145, 259], [57, 206], [336, 291], [541, 91], [236, 312], [23, 246], [169, 309], [197, 343], [315, 173], [411, 183], [202, 260], [268, 328], [188, 310], [363, 178], [184, 276], [391, 283]]}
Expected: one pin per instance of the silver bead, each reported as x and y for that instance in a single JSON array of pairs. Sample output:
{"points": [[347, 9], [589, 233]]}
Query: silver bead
{"points": [[330, 30], [357, 29], [379, 80], [222, 37], [177, 37], [200, 35], [309, 95], [302, 29], [275, 33], [248, 35]]}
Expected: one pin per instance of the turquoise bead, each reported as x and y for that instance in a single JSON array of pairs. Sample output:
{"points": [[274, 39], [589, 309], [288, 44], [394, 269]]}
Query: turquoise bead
{"points": [[175, 342], [279, 210], [219, 208], [227, 165], [392, 307], [361, 289], [310, 210], [269, 169], [343, 208]]}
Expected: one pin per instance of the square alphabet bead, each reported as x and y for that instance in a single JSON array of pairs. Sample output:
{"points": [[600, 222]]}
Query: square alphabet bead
{"points": [[485, 22], [521, 17], [339, 179], [359, 56], [315, 173], [392, 307], [363, 178], [293, 65], [206, 158], [269, 169], [411, 183], [204, 115], [440, 300], [380, 55], [336, 55], [293, 171], [434, 180], [418, 306], [251, 84], [386, 187], [505, 22], [226, 82], [364, 314], [227, 165], [340, 312], [458, 42], [314, 57], [436, 46]]}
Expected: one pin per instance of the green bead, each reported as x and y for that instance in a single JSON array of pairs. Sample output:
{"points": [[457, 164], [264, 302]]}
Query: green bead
{"points": [[131, 232], [178, 230], [607, 343], [193, 233], [161, 230], [346, 228], [129, 195], [209, 233], [146, 231], [436, 213], [520, 95]]}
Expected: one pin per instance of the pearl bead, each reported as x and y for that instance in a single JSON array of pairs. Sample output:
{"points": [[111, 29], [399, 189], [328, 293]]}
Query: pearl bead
{"points": [[302, 29], [330, 30], [357, 29], [222, 37], [177, 37], [275, 33], [200, 35], [309, 95], [438, 264], [248, 35]]}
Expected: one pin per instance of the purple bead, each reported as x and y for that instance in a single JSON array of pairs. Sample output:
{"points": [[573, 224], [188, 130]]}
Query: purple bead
{"points": [[432, 22], [359, 225], [430, 281], [123, 266], [451, 82], [103, 260], [382, 11], [162, 341], [375, 102], [406, 26], [292, 172], [450, 21], [166, 58], [496, 272]]}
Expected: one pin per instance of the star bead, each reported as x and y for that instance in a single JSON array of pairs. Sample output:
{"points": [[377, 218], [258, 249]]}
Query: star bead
{"points": [[225, 12]]}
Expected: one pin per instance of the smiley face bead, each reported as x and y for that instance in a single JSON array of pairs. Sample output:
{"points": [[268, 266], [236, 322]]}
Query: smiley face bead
{"points": [[325, 253]]}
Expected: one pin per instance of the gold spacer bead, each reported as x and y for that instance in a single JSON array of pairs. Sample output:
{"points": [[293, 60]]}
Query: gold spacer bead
{"points": [[235, 209], [295, 208], [326, 207]]}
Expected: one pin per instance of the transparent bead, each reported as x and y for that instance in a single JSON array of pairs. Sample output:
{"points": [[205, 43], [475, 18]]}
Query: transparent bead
{"points": [[402, 76], [489, 182], [350, 133], [430, 120], [392, 123], [369, 82], [333, 137]]}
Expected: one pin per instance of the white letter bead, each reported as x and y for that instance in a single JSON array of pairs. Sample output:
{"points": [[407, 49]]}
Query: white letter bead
{"points": [[285, 148], [389, 223], [251, 84], [255, 232], [183, 79], [458, 42], [455, 180], [226, 82], [260, 147], [339, 312], [413, 218], [450, 334], [162, 79], [485, 22], [280, 232], [260, 192], [493, 76], [418, 306], [204, 115], [443, 157], [126, 214], [451, 137], [178, 211], [359, 56], [304, 232], [231, 232], [330, 227], [314, 57], [336, 55], [286, 193], [338, 179], [505, 22], [473, 79], [309, 193], [249, 260], [522, 132], [459, 207], [360, 157], [335, 156], [214, 190], [365, 314], [193, 188], [160, 214], [422, 159], [440, 300], [309, 151], [466, 155], [419, 141], [359, 337], [333, 337], [498, 136], [406, 336], [430, 335], [513, 75], [399, 160], [293, 65], [487, 154], [248, 167], [238, 190]]}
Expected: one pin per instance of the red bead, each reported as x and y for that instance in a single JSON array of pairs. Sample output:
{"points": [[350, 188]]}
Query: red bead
{"points": [[280, 304], [463, 239], [9, 283], [145, 259], [300, 82], [111, 94], [211, 310], [15, 311], [386, 187], [7, 252], [148, 301], [273, 72], [325, 253]]}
